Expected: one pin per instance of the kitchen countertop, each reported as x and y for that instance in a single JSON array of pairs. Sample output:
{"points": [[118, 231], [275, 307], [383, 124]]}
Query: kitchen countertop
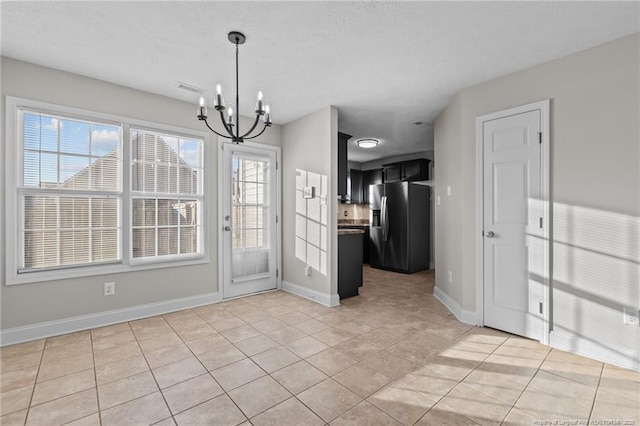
{"points": [[350, 231], [353, 222], [352, 225]]}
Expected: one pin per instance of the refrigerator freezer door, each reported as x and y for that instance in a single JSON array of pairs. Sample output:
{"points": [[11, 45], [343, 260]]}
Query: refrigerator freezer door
{"points": [[376, 243], [396, 250]]}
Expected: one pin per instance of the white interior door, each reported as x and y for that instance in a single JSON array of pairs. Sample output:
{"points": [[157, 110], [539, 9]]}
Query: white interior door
{"points": [[513, 292], [249, 214]]}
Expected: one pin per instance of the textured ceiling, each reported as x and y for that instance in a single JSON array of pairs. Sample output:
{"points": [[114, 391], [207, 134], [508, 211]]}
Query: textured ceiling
{"points": [[385, 65]]}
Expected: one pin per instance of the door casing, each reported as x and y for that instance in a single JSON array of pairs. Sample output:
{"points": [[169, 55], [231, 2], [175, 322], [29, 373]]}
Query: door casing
{"points": [[220, 222], [544, 108]]}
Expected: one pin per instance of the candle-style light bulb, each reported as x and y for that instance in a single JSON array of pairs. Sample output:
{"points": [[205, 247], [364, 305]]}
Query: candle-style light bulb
{"points": [[218, 103], [267, 116], [259, 107], [202, 109], [230, 120]]}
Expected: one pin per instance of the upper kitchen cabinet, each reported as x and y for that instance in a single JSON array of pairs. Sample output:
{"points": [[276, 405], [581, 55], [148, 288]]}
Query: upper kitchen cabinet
{"points": [[406, 171], [356, 187], [342, 164], [371, 177]]}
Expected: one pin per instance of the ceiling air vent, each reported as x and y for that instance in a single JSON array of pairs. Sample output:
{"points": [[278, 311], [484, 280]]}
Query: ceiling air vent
{"points": [[190, 88]]}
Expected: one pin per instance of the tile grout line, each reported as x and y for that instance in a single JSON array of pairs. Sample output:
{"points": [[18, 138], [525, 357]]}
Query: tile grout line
{"points": [[95, 377], [273, 378], [270, 375], [209, 372], [56, 378], [150, 371], [35, 382], [595, 394], [527, 386], [461, 380]]}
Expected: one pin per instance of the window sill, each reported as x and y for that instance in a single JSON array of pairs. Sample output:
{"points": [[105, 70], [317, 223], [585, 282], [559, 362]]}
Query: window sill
{"points": [[89, 271]]}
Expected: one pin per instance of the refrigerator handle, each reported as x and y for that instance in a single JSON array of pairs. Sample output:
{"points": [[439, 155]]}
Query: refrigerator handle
{"points": [[385, 219]]}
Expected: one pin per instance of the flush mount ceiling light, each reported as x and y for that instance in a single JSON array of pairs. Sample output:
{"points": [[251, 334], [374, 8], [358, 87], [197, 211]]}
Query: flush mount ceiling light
{"points": [[367, 143], [229, 123]]}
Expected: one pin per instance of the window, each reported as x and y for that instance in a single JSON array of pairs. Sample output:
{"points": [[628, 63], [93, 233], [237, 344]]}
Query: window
{"points": [[166, 187], [97, 194], [69, 190], [250, 210]]}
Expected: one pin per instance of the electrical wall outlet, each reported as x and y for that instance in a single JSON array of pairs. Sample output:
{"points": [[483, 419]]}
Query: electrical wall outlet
{"points": [[450, 276], [307, 270], [109, 289], [448, 191], [630, 316]]}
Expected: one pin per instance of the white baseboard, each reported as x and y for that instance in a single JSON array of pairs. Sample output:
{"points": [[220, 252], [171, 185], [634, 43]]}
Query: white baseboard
{"points": [[467, 317], [313, 295], [26, 333], [576, 344]]}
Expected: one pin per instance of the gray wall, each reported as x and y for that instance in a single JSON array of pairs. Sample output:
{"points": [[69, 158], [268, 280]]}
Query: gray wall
{"points": [[46, 301], [448, 215], [309, 143], [595, 185]]}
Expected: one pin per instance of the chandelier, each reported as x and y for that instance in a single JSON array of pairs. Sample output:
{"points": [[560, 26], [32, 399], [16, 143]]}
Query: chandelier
{"points": [[231, 125]]}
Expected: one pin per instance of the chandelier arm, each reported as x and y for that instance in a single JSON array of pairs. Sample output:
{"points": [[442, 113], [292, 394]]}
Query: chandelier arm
{"points": [[210, 128], [261, 132], [255, 123], [228, 128]]}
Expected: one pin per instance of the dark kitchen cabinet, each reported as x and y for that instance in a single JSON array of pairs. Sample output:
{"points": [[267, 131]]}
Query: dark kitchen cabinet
{"points": [[342, 164], [349, 265], [365, 245], [406, 171], [371, 177], [356, 187], [416, 170], [392, 173]]}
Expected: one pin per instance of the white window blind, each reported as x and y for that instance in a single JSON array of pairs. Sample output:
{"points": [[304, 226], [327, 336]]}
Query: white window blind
{"points": [[69, 191], [167, 195]]}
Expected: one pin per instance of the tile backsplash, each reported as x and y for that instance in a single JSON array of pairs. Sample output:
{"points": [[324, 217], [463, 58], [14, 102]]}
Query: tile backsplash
{"points": [[351, 212]]}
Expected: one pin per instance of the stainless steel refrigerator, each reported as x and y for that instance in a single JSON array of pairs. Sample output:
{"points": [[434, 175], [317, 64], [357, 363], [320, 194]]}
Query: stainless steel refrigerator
{"points": [[399, 226]]}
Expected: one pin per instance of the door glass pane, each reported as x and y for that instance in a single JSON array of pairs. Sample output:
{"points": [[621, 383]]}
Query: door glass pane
{"points": [[249, 208]]}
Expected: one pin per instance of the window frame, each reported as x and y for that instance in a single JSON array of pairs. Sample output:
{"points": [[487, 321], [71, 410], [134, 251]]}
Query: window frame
{"points": [[14, 210], [159, 195]]}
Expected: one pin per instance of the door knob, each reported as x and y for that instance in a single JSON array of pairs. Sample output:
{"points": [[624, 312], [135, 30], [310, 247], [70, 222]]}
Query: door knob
{"points": [[489, 234], [227, 228]]}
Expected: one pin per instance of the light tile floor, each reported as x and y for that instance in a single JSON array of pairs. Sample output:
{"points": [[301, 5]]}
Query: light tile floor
{"points": [[394, 355]]}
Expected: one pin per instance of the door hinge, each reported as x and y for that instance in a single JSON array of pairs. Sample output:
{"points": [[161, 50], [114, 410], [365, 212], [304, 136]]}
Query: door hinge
{"points": [[540, 305], [277, 219], [276, 165], [277, 273], [540, 137], [541, 223]]}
